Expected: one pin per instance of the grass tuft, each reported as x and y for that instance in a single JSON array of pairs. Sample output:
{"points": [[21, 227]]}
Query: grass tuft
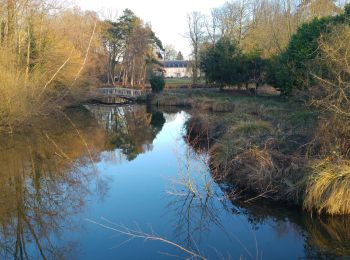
{"points": [[328, 188]]}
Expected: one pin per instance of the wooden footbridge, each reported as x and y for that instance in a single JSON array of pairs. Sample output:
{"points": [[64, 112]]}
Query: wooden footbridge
{"points": [[126, 93]]}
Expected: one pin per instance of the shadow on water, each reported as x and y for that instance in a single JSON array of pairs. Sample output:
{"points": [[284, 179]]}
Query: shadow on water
{"points": [[47, 174], [326, 237]]}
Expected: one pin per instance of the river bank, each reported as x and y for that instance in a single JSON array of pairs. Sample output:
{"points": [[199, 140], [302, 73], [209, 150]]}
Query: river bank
{"points": [[266, 148], [130, 165]]}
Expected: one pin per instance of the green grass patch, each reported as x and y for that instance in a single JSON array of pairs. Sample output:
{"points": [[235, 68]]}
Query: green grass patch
{"points": [[175, 82]]}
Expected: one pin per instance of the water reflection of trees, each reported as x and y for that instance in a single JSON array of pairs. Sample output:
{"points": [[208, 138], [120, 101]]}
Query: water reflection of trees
{"points": [[195, 217], [44, 177], [326, 237], [192, 199], [131, 129], [46, 174]]}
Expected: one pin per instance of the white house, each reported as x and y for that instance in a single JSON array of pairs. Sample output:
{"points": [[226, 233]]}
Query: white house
{"points": [[176, 69]]}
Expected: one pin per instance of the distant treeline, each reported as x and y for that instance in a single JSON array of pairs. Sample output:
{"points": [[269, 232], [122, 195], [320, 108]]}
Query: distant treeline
{"points": [[253, 41], [309, 57]]}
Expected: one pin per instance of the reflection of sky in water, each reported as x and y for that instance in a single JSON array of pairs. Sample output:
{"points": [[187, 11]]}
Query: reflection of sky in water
{"points": [[137, 195], [148, 192]]}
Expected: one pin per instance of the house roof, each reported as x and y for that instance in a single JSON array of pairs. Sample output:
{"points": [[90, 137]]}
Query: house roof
{"points": [[175, 64]]}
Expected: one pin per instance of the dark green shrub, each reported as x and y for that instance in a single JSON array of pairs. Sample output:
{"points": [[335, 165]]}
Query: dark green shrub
{"points": [[292, 66], [222, 63], [157, 83], [254, 68], [225, 64], [270, 70]]}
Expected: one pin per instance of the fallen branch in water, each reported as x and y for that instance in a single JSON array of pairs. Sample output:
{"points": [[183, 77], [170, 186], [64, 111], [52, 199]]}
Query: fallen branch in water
{"points": [[132, 234]]}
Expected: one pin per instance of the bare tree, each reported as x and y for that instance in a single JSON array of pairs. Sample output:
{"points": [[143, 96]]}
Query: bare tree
{"points": [[196, 36], [333, 91], [213, 26], [266, 25], [169, 52]]}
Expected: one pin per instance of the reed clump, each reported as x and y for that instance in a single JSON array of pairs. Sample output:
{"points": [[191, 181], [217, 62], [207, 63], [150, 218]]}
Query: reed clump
{"points": [[327, 188], [265, 172]]}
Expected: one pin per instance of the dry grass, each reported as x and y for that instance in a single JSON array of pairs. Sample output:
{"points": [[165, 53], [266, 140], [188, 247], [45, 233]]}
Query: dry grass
{"points": [[328, 186], [332, 138], [223, 106], [260, 147], [255, 169], [265, 172]]}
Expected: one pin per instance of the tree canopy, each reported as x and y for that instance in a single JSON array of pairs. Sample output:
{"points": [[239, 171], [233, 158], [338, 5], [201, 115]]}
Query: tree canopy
{"points": [[133, 49]]}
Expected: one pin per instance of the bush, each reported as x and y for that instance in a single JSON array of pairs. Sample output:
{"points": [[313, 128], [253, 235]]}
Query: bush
{"points": [[293, 65], [223, 63], [157, 83]]}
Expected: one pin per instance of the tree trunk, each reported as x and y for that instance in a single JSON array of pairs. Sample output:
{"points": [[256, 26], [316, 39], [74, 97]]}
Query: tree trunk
{"points": [[133, 72], [11, 5], [28, 54], [2, 32]]}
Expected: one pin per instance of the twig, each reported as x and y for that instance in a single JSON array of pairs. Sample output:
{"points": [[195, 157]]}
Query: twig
{"points": [[139, 234]]}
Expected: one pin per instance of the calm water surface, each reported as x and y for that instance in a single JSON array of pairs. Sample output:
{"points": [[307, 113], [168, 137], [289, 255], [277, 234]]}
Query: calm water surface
{"points": [[95, 185]]}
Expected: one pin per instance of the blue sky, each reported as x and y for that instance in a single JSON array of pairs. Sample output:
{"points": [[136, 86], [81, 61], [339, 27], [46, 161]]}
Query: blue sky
{"points": [[168, 18]]}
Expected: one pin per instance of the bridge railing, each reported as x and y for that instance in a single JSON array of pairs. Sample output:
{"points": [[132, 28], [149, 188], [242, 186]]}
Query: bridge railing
{"points": [[124, 92]]}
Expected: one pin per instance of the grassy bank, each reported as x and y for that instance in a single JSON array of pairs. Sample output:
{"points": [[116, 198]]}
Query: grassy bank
{"points": [[269, 148]]}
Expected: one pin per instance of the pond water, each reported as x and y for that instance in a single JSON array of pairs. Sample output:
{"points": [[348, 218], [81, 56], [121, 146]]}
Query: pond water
{"points": [[121, 182]]}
